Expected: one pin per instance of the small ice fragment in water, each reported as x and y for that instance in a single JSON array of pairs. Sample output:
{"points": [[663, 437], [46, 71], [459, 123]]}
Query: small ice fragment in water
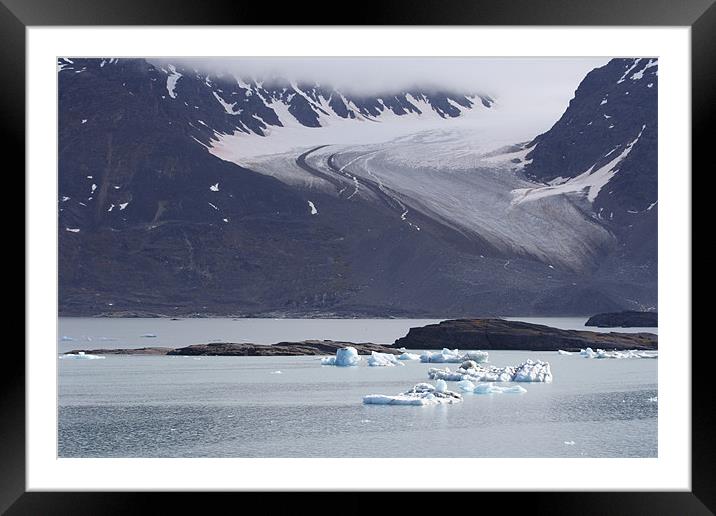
{"points": [[562, 352], [148, 335], [409, 356], [489, 388], [569, 443], [654, 399], [276, 372], [344, 357], [382, 360], [81, 355], [66, 338]]}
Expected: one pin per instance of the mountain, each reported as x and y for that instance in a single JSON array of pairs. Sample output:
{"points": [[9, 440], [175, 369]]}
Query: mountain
{"points": [[604, 147], [152, 220]]}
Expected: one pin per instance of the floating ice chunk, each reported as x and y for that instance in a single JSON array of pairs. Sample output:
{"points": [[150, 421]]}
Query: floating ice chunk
{"points": [[421, 394], [528, 371], [562, 352], [148, 335], [533, 372], [409, 356], [81, 356], [382, 360], [66, 338], [476, 356], [441, 386], [73, 230], [214, 188], [489, 388], [344, 357], [629, 353], [314, 211], [276, 372], [446, 355], [569, 443]]}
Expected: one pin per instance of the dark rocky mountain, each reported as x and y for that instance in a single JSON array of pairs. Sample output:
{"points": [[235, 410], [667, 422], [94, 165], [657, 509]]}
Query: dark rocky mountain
{"points": [[152, 223], [613, 113]]}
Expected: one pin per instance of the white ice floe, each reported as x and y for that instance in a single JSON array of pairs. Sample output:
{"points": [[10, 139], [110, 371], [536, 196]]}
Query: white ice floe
{"points": [[73, 230], [66, 338], [489, 388], [314, 211], [382, 360], [655, 399], [629, 353], [148, 335], [81, 356], [409, 356], [562, 352], [453, 356], [276, 372], [529, 371], [421, 394], [214, 188], [344, 357], [569, 443]]}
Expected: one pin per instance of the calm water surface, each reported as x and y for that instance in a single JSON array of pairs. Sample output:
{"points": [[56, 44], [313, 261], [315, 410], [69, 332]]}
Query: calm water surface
{"points": [[146, 406]]}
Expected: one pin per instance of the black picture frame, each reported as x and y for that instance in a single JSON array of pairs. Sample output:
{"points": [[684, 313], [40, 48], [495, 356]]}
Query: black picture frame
{"points": [[17, 15]]}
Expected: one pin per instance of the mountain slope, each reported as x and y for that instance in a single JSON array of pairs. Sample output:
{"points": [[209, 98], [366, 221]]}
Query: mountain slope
{"points": [[152, 221]]}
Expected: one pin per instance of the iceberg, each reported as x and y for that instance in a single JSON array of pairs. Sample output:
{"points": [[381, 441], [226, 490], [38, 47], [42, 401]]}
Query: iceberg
{"points": [[562, 352], [81, 356], [489, 388], [382, 360], [344, 357], [409, 356], [528, 371], [421, 394], [476, 356], [629, 353]]}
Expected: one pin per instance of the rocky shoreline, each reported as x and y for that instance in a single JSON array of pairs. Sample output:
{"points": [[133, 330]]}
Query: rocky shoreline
{"points": [[306, 347]]}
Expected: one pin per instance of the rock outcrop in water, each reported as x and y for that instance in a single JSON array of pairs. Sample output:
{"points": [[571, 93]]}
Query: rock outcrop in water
{"points": [[626, 319], [499, 334], [306, 347]]}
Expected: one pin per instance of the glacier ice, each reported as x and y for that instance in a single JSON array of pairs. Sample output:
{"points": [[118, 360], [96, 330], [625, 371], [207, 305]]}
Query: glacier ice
{"points": [[377, 359], [528, 371], [409, 356], [476, 356], [420, 394], [344, 357], [453, 356], [629, 353], [81, 356], [489, 388]]}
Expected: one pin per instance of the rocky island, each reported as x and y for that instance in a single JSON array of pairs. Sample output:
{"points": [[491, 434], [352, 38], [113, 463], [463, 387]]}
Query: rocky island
{"points": [[625, 319], [306, 347], [499, 334]]}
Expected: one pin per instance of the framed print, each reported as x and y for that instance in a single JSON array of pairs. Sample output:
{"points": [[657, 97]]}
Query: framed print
{"points": [[434, 254]]}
